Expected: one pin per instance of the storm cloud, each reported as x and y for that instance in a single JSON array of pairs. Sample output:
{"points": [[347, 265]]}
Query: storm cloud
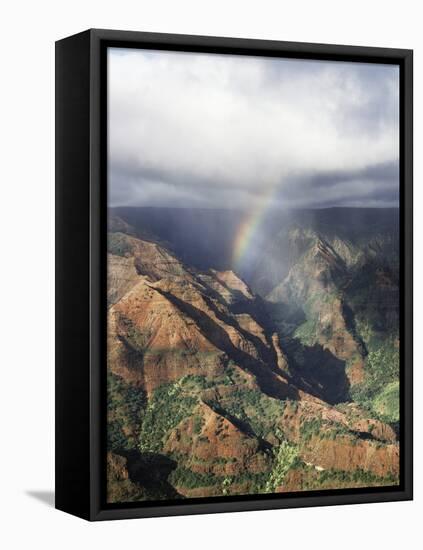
{"points": [[209, 130]]}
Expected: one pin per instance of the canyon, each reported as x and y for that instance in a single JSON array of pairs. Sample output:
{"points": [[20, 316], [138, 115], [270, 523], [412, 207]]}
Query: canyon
{"points": [[272, 373]]}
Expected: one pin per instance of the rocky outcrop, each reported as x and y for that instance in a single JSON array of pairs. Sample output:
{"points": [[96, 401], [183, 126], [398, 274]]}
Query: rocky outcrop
{"points": [[149, 258], [234, 283], [162, 329], [314, 283], [349, 454], [119, 487], [121, 277], [212, 443], [152, 342]]}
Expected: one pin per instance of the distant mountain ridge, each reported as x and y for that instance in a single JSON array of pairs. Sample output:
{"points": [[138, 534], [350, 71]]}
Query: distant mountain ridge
{"points": [[204, 238]]}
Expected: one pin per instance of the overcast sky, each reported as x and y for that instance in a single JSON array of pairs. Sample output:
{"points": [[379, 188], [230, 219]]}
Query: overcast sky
{"points": [[205, 130]]}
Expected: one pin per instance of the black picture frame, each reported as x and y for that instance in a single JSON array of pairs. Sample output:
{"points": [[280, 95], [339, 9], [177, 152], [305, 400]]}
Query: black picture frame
{"points": [[81, 204]]}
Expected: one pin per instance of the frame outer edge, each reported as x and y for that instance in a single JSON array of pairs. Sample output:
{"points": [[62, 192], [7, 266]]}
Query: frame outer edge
{"points": [[72, 264], [407, 153], [96, 287], [96, 168]]}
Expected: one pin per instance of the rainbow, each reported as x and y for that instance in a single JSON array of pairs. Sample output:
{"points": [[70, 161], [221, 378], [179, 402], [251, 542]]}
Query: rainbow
{"points": [[249, 225]]}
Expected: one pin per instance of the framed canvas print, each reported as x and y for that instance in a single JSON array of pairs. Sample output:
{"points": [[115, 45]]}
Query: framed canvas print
{"points": [[234, 274]]}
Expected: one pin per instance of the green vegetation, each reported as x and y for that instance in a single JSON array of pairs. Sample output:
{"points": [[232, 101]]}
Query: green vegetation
{"points": [[226, 483], [118, 244], [307, 332], [379, 393], [339, 478], [386, 402], [382, 364], [312, 478], [183, 477], [358, 476], [125, 406], [256, 482], [310, 428], [193, 382], [168, 406], [137, 340], [254, 408], [198, 422], [316, 427], [197, 460], [285, 457]]}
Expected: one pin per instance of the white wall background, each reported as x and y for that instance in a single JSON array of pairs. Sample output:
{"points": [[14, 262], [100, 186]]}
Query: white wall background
{"points": [[28, 31]]}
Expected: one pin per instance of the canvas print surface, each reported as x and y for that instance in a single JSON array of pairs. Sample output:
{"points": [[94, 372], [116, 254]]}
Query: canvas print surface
{"points": [[253, 275]]}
